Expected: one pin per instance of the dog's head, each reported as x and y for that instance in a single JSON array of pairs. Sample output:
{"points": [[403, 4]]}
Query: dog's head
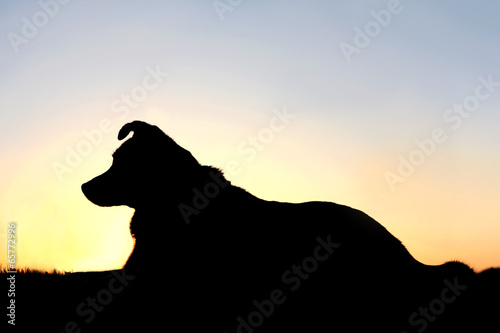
{"points": [[147, 165]]}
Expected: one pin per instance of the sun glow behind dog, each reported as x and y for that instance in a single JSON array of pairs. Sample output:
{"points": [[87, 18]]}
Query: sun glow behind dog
{"points": [[56, 228], [60, 229]]}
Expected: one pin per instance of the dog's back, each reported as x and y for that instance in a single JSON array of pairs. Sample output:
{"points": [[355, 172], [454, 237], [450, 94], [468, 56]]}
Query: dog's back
{"points": [[245, 263]]}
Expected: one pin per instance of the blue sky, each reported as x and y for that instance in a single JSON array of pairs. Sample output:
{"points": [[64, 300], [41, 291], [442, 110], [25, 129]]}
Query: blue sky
{"points": [[225, 77]]}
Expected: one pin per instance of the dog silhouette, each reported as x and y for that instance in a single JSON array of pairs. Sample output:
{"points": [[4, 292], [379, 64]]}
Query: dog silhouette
{"points": [[209, 256]]}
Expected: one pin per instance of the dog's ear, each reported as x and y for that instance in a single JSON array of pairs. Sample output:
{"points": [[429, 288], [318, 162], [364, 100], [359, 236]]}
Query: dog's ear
{"points": [[144, 130], [135, 126]]}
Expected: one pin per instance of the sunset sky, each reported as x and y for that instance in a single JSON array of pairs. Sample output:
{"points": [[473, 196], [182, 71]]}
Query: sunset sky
{"points": [[392, 107]]}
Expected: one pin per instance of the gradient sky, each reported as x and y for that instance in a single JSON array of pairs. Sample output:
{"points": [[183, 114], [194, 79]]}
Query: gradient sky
{"points": [[64, 85]]}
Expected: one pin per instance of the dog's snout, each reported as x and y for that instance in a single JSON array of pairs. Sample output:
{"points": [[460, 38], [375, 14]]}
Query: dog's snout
{"points": [[88, 192], [84, 188], [106, 190], [95, 191]]}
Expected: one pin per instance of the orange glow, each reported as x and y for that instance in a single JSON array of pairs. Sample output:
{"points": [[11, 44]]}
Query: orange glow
{"points": [[58, 227]]}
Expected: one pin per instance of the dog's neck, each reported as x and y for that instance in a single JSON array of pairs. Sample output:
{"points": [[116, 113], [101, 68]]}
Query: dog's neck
{"points": [[166, 219]]}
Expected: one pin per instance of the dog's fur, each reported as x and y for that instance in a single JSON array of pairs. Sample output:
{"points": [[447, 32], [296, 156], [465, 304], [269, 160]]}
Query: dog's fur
{"points": [[213, 252]]}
